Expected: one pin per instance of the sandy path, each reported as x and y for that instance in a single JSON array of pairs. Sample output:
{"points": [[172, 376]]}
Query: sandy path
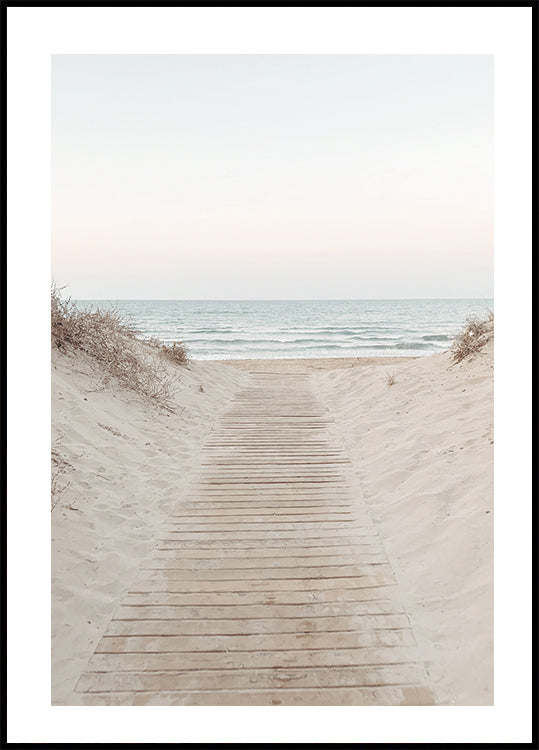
{"points": [[269, 584]]}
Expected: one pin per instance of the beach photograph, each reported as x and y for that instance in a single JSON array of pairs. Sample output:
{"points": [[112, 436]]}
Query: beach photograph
{"points": [[272, 380], [269, 335]]}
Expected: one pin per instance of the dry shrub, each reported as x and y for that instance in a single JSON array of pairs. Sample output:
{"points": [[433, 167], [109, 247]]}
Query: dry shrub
{"points": [[473, 337], [85, 329], [106, 337], [390, 379], [175, 352]]}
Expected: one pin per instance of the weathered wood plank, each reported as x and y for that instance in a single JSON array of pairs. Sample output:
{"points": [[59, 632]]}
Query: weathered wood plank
{"points": [[162, 662], [243, 679], [141, 625], [253, 563], [332, 573], [158, 606], [273, 553], [158, 592], [259, 642]]}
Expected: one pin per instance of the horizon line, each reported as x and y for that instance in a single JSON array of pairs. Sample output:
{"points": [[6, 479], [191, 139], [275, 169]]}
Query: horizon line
{"points": [[277, 299]]}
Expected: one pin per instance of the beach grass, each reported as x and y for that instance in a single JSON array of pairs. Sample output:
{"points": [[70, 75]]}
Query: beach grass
{"points": [[477, 332], [111, 342]]}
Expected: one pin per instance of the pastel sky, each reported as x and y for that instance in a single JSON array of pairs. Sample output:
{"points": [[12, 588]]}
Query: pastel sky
{"points": [[272, 176]]}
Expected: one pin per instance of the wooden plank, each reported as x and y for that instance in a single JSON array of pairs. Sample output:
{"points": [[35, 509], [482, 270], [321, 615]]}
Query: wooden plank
{"points": [[175, 581], [163, 662], [283, 536], [243, 679], [332, 573], [263, 642], [279, 625], [237, 516], [244, 508], [158, 606], [295, 492], [251, 540], [247, 483], [316, 503], [274, 522], [263, 495], [314, 527], [250, 563], [273, 450], [263, 459], [158, 592], [255, 472], [251, 441], [273, 554]]}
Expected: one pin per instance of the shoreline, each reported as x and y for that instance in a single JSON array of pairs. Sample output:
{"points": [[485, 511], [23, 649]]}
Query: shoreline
{"points": [[300, 364]]}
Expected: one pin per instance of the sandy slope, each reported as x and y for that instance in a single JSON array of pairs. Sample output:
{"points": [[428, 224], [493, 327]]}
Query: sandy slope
{"points": [[423, 458], [128, 464]]}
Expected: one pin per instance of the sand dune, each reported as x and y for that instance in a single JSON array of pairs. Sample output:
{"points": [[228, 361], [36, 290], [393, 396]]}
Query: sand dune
{"points": [[422, 453], [423, 456], [128, 462]]}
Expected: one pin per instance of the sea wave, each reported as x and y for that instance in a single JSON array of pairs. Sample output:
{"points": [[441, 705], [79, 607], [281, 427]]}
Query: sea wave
{"points": [[265, 329]]}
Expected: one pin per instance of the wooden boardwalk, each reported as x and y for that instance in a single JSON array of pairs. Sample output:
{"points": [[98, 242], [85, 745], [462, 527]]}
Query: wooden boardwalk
{"points": [[269, 586]]}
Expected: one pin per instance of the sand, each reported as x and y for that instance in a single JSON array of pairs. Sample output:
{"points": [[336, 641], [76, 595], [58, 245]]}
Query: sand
{"points": [[128, 462], [422, 453]]}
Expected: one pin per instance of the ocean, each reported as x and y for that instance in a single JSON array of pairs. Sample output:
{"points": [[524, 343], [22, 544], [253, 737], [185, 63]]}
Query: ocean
{"points": [[235, 329]]}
